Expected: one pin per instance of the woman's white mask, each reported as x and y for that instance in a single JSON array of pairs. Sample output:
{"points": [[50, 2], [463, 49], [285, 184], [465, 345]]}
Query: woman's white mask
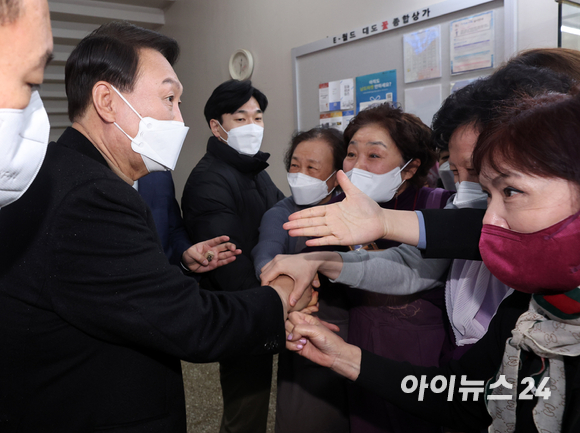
{"points": [[380, 187], [308, 190], [246, 139], [24, 140], [158, 141]]}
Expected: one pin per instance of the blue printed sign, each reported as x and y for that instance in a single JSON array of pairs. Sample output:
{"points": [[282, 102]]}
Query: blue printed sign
{"points": [[376, 89]]}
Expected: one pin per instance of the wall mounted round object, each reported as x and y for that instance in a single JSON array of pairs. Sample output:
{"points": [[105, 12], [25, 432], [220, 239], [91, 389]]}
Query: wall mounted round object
{"points": [[241, 65]]}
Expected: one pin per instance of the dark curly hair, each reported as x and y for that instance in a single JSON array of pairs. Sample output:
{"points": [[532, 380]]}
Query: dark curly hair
{"points": [[477, 103], [563, 60], [411, 136]]}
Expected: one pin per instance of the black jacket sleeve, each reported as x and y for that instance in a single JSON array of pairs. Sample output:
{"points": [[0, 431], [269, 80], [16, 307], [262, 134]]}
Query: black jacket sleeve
{"points": [[453, 233], [109, 278]]}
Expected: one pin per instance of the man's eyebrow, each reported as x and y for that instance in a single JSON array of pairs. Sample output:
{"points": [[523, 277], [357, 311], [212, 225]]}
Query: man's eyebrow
{"points": [[258, 111], [173, 83], [46, 59]]}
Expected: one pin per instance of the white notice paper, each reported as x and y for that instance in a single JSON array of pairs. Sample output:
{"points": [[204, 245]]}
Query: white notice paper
{"points": [[423, 102], [347, 94], [334, 95], [422, 54], [472, 43]]}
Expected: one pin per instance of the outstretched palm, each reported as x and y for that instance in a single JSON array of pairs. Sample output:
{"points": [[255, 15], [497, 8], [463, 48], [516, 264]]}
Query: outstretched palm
{"points": [[207, 255], [355, 220]]}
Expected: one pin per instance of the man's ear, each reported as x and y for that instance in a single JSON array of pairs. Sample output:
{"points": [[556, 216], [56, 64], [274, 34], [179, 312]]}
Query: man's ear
{"points": [[411, 169], [103, 101], [216, 129]]}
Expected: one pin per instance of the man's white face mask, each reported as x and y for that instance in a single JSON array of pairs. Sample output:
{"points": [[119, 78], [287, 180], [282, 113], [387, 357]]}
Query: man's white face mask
{"points": [[158, 141], [469, 195], [23, 143], [246, 139], [446, 176]]}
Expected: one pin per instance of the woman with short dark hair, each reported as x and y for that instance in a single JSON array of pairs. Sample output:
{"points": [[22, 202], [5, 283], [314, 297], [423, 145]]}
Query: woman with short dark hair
{"points": [[388, 158], [408, 136], [312, 160]]}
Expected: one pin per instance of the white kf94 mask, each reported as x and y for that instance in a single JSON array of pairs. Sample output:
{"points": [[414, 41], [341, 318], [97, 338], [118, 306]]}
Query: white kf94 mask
{"points": [[469, 195], [23, 143], [380, 187], [447, 177], [157, 141], [307, 189], [246, 139]]}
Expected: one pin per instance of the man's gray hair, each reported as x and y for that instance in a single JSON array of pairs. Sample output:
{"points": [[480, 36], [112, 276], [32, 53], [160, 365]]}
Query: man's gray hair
{"points": [[9, 11]]}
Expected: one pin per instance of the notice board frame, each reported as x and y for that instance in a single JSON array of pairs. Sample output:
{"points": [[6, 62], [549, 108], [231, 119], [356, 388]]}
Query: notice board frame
{"points": [[333, 58]]}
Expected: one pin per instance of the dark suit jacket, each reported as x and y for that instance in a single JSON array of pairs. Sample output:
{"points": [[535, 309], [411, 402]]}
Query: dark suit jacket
{"points": [[93, 319], [158, 191], [453, 233]]}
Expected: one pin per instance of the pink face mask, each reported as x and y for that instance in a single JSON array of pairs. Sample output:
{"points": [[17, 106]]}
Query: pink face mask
{"points": [[541, 262]]}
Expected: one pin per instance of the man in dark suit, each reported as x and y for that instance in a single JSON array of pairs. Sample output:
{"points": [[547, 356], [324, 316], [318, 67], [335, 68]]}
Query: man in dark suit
{"points": [[158, 191], [94, 319]]}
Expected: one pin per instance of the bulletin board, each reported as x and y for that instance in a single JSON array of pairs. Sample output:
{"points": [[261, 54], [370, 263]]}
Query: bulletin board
{"points": [[360, 51]]}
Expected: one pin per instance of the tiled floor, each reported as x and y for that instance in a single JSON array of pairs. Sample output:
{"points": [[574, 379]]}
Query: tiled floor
{"points": [[203, 397]]}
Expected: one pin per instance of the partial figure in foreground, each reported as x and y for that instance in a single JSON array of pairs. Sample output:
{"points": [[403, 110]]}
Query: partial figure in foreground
{"points": [[24, 126]]}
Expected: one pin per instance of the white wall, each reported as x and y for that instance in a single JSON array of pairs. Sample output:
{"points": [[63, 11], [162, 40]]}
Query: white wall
{"points": [[537, 24], [209, 31]]}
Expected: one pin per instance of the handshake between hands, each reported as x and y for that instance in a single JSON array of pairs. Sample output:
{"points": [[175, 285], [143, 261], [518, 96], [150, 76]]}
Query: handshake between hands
{"points": [[295, 276], [294, 282], [306, 301]]}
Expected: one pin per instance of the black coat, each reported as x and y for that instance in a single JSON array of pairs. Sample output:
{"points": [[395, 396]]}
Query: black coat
{"points": [[93, 318], [480, 362], [453, 233], [227, 193]]}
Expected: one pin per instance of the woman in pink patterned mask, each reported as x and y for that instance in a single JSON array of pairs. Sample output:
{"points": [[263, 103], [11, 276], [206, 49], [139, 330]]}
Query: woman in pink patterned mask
{"points": [[524, 374]]}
